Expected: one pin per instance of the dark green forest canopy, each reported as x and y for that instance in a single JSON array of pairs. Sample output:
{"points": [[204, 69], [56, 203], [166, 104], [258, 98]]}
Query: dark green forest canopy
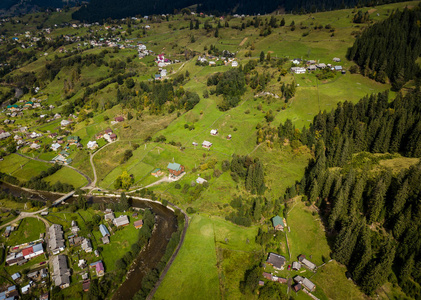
{"points": [[98, 10], [374, 216], [390, 48]]}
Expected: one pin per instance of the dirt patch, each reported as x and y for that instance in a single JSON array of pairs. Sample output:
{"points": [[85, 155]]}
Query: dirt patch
{"points": [[370, 11], [243, 41]]}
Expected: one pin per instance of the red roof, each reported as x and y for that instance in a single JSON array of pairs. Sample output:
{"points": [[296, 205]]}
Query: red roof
{"points": [[119, 119], [108, 130], [113, 136], [27, 251]]}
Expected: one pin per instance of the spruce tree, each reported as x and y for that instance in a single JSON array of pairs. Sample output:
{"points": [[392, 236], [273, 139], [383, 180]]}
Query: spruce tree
{"points": [[376, 201], [400, 198], [362, 254]]}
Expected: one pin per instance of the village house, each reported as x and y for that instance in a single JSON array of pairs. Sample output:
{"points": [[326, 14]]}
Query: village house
{"points": [[157, 173], [278, 224], [16, 276], [64, 123], [312, 68], [110, 216], [306, 283], [92, 145], [4, 135], [276, 260], [321, 66], [296, 266], [61, 275], [13, 107], [297, 287], [32, 275], [33, 251], [121, 221], [74, 229], [10, 293], [336, 59], [105, 239], [75, 240], [15, 258], [35, 146], [298, 70], [56, 241], [175, 169], [104, 231], [110, 137], [306, 263], [206, 144], [200, 180], [119, 119], [214, 132], [55, 146], [99, 268], [73, 140], [234, 64], [28, 105], [86, 285], [138, 224], [86, 245]]}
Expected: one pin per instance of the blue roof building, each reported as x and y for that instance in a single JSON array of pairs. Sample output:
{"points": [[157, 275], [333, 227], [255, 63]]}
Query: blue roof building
{"points": [[103, 229]]}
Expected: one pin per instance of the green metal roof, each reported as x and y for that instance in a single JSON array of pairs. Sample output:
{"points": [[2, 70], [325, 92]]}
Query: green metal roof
{"points": [[174, 166], [277, 221]]}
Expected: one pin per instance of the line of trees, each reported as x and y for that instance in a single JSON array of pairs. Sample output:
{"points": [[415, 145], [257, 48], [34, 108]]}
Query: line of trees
{"points": [[389, 49], [373, 215]]}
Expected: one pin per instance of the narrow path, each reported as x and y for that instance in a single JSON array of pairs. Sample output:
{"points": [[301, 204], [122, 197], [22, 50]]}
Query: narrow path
{"points": [[24, 215], [92, 185], [50, 162]]}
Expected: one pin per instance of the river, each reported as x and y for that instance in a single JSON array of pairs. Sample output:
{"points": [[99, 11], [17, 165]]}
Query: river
{"points": [[148, 258]]}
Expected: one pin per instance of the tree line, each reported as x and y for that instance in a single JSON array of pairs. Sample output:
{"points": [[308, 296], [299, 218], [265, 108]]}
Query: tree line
{"points": [[99, 10], [388, 50], [371, 213]]}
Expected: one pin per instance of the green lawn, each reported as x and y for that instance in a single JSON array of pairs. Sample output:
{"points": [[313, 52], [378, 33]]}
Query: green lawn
{"points": [[341, 287], [69, 176], [30, 169], [307, 234], [29, 230], [194, 273], [120, 243], [12, 162]]}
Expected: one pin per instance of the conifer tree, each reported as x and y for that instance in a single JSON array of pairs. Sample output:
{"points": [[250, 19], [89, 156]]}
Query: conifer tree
{"points": [[376, 201], [400, 198], [362, 254]]}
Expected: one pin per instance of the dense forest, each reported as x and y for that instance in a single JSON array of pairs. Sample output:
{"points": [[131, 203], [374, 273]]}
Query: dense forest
{"points": [[372, 213], [389, 49], [6, 4], [98, 10]]}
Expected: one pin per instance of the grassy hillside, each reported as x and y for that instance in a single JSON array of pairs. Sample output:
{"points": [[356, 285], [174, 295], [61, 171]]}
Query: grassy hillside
{"points": [[90, 85]]}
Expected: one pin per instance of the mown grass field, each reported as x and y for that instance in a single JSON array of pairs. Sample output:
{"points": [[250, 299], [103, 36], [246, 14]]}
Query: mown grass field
{"points": [[69, 176], [28, 231], [194, 273]]}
